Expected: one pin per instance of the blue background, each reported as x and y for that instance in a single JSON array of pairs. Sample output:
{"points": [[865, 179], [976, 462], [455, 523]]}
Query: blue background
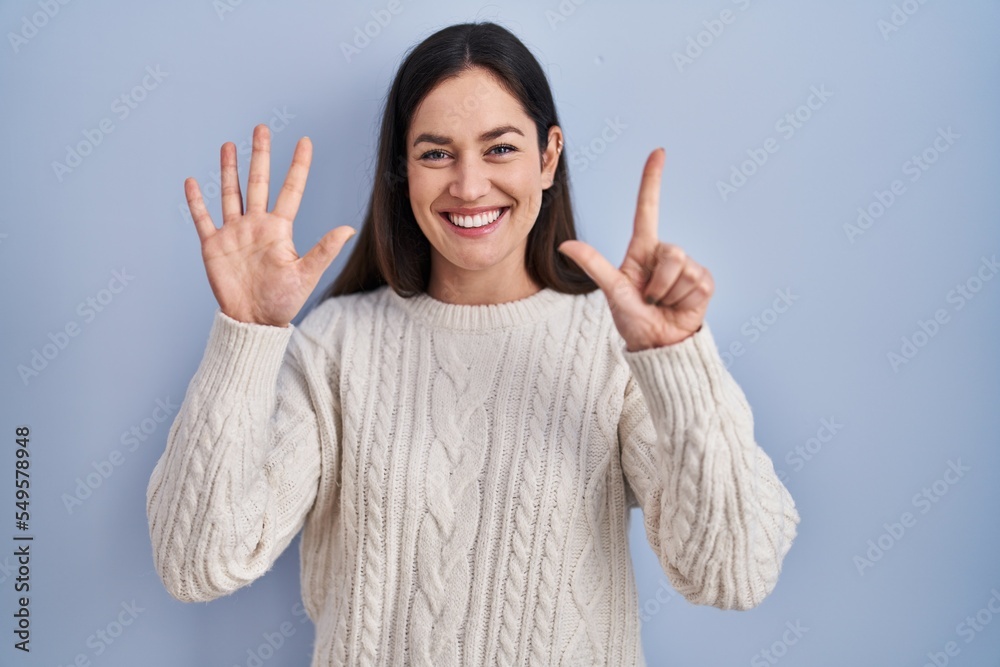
{"points": [[622, 87]]}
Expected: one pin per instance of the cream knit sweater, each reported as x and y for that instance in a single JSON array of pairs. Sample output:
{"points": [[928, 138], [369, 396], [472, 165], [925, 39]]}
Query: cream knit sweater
{"points": [[464, 475]]}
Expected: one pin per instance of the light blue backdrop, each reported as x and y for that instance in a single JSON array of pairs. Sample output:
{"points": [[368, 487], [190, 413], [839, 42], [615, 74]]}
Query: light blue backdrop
{"points": [[867, 346]]}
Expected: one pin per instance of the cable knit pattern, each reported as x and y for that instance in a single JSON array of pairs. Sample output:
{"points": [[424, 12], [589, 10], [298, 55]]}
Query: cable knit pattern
{"points": [[453, 468], [520, 557], [463, 476], [714, 509], [582, 340], [375, 499], [357, 353]]}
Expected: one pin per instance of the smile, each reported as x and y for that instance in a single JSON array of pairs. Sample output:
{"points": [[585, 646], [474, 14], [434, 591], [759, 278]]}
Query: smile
{"points": [[474, 221]]}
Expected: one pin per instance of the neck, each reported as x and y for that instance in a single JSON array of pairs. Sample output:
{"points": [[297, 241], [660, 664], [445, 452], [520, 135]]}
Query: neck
{"points": [[481, 287]]}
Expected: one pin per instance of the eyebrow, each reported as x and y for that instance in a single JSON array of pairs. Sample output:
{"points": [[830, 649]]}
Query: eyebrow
{"points": [[489, 135]]}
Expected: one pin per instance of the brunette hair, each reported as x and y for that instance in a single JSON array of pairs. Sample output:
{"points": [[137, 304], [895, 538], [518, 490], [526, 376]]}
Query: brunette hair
{"points": [[390, 248]]}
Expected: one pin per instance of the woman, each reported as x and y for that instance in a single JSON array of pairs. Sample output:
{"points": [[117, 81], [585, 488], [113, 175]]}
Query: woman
{"points": [[462, 424]]}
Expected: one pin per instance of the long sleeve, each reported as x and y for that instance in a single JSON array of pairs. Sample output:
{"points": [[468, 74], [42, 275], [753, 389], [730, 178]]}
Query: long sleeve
{"points": [[714, 510], [241, 466]]}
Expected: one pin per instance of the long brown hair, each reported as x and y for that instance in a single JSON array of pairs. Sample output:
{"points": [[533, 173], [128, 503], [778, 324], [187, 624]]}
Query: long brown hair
{"points": [[390, 247]]}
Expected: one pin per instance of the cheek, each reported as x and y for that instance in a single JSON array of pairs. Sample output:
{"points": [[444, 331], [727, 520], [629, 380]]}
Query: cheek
{"points": [[525, 186], [427, 185], [529, 193]]}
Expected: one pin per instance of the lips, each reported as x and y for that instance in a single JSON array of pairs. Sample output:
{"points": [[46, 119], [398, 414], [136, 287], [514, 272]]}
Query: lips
{"points": [[482, 213], [474, 218]]}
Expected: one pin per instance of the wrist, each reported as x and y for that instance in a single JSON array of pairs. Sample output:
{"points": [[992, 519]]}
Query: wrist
{"points": [[661, 342], [249, 319]]}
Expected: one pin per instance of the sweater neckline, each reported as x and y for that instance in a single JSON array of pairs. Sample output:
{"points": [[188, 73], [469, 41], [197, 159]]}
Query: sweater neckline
{"points": [[527, 310]]}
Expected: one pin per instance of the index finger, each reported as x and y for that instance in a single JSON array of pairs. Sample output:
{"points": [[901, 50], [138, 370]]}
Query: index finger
{"points": [[647, 210]]}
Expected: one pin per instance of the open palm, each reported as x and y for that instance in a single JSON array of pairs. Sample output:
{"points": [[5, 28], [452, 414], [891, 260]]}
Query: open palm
{"points": [[253, 269], [659, 295]]}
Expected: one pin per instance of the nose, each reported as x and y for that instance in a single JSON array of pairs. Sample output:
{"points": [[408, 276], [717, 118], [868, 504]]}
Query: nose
{"points": [[471, 180]]}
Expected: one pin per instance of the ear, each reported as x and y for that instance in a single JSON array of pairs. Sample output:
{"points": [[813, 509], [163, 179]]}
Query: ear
{"points": [[550, 158]]}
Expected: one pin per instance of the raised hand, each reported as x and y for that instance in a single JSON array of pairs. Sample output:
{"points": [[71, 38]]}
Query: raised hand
{"points": [[659, 295], [252, 266]]}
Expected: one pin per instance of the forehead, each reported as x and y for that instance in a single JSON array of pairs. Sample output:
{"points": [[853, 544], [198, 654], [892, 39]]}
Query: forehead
{"points": [[467, 104]]}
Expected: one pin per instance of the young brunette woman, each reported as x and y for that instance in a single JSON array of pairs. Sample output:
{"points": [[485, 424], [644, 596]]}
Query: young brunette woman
{"points": [[462, 424]]}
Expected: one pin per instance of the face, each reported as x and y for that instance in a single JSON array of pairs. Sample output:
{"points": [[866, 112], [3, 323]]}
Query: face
{"points": [[475, 180]]}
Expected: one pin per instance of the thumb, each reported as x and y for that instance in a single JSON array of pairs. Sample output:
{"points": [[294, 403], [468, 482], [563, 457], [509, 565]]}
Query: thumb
{"points": [[616, 286], [316, 261], [591, 261]]}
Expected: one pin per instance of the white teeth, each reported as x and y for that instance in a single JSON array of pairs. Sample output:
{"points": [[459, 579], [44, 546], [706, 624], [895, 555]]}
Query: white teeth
{"points": [[479, 220]]}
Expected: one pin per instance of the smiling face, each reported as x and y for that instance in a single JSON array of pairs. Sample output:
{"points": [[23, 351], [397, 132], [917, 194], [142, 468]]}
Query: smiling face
{"points": [[475, 183]]}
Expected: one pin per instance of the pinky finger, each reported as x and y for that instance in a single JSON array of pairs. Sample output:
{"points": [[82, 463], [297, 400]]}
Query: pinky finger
{"points": [[202, 220]]}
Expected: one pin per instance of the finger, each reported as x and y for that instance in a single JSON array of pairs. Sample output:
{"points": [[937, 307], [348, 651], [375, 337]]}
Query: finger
{"points": [[232, 198], [689, 280], [696, 298], [287, 205], [202, 220], [647, 210], [668, 262], [260, 170], [317, 260], [615, 284]]}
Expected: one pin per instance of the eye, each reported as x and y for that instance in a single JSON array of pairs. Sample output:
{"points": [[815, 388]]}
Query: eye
{"points": [[426, 155], [510, 149], [438, 155]]}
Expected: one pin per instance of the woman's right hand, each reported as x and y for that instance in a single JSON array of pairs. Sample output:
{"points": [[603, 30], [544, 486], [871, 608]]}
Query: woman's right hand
{"points": [[253, 269]]}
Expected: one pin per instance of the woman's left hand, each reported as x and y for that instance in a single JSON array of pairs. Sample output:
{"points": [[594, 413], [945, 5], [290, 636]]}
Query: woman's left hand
{"points": [[659, 295]]}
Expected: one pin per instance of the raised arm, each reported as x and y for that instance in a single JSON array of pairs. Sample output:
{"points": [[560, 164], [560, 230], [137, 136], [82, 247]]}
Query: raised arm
{"points": [[242, 460], [715, 512], [241, 466]]}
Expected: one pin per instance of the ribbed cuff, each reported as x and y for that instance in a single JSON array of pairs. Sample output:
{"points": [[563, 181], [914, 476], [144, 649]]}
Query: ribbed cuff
{"points": [[679, 381], [242, 357]]}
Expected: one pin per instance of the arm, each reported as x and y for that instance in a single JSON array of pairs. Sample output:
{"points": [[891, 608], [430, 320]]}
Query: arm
{"points": [[241, 466], [715, 513]]}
